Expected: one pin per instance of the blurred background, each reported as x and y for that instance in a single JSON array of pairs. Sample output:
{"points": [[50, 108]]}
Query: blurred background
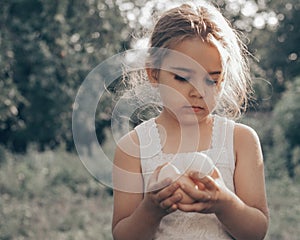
{"points": [[47, 48]]}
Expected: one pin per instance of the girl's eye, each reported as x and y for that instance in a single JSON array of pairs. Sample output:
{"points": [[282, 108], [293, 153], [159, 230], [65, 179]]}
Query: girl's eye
{"points": [[182, 79], [210, 82]]}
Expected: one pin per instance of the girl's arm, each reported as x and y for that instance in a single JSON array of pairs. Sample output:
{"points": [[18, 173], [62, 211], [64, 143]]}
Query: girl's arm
{"points": [[245, 213], [137, 215], [249, 209]]}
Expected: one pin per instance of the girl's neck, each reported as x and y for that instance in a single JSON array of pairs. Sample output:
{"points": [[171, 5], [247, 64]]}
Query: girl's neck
{"points": [[175, 125], [176, 137]]}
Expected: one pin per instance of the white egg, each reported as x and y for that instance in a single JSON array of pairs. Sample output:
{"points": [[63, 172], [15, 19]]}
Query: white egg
{"points": [[168, 171], [202, 164]]}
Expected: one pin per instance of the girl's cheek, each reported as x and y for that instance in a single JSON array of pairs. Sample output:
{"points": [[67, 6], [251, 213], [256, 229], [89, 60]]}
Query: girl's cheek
{"points": [[211, 102]]}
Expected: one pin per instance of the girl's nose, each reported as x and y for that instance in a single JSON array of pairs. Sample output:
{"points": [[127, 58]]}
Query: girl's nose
{"points": [[197, 90]]}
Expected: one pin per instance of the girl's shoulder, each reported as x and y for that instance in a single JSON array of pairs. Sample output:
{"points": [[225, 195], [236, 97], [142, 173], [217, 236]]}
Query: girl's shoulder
{"points": [[243, 132], [129, 144], [141, 134], [127, 153], [246, 142]]}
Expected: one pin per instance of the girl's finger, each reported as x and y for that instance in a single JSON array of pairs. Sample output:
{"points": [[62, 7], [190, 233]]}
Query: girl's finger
{"points": [[207, 181], [200, 185], [173, 208], [195, 207], [198, 195], [167, 192], [157, 186], [170, 202]]}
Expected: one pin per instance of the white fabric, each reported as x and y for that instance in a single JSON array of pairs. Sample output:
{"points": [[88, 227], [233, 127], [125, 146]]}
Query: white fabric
{"points": [[181, 225]]}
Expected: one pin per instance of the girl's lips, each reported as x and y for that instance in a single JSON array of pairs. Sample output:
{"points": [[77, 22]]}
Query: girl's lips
{"points": [[194, 108], [197, 109]]}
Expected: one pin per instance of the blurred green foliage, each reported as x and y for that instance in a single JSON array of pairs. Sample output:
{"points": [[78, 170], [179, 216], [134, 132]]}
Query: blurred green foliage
{"points": [[286, 116], [275, 45], [47, 48], [50, 195]]}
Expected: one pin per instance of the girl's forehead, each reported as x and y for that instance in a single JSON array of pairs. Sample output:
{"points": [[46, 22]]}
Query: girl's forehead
{"points": [[193, 55]]}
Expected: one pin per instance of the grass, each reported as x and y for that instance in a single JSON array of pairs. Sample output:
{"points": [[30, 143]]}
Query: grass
{"points": [[284, 198], [51, 195]]}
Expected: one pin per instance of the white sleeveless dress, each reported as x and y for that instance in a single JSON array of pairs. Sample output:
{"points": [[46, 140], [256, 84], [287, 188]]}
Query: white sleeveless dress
{"points": [[181, 225]]}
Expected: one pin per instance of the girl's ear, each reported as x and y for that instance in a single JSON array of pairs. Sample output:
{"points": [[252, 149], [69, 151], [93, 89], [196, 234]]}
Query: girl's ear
{"points": [[153, 76]]}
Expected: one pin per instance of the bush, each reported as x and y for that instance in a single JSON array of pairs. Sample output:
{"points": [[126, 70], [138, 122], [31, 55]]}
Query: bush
{"points": [[50, 195], [286, 117], [47, 49]]}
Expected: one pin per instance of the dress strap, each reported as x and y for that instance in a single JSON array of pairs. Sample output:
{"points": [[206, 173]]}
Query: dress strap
{"points": [[148, 138], [223, 132]]}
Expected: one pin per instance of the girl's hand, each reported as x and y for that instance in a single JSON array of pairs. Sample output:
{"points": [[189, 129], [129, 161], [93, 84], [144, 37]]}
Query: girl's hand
{"points": [[160, 197], [209, 195]]}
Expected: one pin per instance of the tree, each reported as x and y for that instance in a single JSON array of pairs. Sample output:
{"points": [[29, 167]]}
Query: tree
{"points": [[286, 116], [277, 46], [48, 48]]}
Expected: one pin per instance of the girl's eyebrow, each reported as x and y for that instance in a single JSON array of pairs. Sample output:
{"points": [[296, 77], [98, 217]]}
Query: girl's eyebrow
{"points": [[188, 70], [183, 69]]}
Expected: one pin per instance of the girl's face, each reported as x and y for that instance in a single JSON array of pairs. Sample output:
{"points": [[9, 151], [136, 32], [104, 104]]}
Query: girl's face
{"points": [[189, 81]]}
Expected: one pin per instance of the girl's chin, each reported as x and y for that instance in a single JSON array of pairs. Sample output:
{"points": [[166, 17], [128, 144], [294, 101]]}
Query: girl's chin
{"points": [[187, 117]]}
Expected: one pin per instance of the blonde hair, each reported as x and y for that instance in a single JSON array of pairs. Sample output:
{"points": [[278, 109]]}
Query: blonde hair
{"points": [[204, 21]]}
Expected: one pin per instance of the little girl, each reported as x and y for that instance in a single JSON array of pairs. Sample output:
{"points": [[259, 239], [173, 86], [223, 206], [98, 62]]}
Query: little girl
{"points": [[203, 81]]}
